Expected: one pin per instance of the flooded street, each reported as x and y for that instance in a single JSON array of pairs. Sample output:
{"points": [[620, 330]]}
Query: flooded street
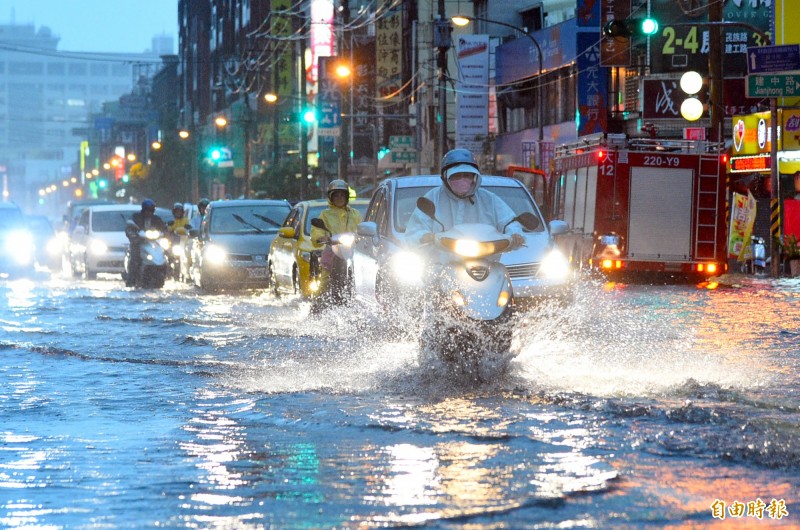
{"points": [[637, 407]]}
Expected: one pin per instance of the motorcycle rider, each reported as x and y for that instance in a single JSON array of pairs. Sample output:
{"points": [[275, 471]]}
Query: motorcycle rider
{"points": [[197, 218], [181, 225], [179, 231], [460, 199], [145, 219], [339, 217]]}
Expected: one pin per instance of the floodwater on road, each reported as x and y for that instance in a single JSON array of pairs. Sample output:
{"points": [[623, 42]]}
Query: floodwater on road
{"points": [[636, 407]]}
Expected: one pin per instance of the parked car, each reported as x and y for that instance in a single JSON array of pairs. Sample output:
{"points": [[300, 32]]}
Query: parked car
{"points": [[17, 248], [98, 241], [389, 273], [290, 252], [230, 248], [49, 247]]}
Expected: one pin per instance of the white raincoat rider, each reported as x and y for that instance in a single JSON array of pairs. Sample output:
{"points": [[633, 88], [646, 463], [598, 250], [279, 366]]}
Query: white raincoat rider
{"points": [[460, 199]]}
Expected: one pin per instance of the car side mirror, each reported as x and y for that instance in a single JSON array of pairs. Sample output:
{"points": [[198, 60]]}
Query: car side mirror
{"points": [[367, 229], [558, 227], [286, 231]]}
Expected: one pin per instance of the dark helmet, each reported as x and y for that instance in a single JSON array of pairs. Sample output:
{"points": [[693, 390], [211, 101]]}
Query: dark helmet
{"points": [[203, 203], [178, 206], [338, 185], [457, 161], [149, 205]]}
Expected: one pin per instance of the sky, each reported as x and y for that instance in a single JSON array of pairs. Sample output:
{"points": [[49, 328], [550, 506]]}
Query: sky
{"points": [[125, 26]]}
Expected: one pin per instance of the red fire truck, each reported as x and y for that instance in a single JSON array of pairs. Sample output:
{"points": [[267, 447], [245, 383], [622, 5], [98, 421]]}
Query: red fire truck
{"points": [[640, 205]]}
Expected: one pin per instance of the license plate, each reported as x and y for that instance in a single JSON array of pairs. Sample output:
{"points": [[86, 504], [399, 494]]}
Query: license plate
{"points": [[257, 272]]}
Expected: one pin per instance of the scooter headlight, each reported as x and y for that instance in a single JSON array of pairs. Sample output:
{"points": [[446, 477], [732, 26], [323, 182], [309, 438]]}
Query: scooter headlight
{"points": [[555, 266], [165, 243], [469, 248], [408, 267], [347, 240], [97, 247], [215, 254]]}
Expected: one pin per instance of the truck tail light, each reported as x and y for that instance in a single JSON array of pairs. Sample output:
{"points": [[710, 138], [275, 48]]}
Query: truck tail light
{"points": [[609, 264]]}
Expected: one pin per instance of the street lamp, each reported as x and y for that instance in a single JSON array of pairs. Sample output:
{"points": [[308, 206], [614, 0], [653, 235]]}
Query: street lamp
{"points": [[463, 20]]}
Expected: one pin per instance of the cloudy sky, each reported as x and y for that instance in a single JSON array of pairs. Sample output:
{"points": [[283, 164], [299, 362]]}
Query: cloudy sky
{"points": [[98, 25]]}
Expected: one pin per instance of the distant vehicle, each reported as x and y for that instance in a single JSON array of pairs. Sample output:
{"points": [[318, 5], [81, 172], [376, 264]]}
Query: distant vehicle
{"points": [[290, 253], [49, 247], [98, 241], [75, 209], [230, 248], [17, 248], [642, 208], [389, 273]]}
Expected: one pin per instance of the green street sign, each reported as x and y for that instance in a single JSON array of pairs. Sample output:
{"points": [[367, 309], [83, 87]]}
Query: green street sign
{"points": [[773, 85]]}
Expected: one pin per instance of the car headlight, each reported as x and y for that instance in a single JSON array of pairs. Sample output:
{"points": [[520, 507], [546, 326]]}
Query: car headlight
{"points": [[408, 267], [20, 245], [97, 247], [555, 266], [54, 246], [215, 254]]}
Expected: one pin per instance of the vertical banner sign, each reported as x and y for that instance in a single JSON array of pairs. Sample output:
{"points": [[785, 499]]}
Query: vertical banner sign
{"points": [[363, 87], [389, 56], [472, 92], [614, 51], [320, 35], [329, 99], [743, 216], [592, 86], [282, 27]]}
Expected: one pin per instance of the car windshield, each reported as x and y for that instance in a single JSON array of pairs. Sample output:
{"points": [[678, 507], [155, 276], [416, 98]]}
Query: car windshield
{"points": [[315, 211], [248, 219], [113, 221], [10, 218], [40, 225], [406, 202]]}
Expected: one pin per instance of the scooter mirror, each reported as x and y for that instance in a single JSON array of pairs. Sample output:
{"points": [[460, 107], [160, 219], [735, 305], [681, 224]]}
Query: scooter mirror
{"points": [[427, 207], [319, 223], [528, 220]]}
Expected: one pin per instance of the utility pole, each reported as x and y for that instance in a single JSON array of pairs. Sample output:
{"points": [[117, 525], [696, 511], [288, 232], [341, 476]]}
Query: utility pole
{"points": [[715, 79], [343, 145], [441, 40]]}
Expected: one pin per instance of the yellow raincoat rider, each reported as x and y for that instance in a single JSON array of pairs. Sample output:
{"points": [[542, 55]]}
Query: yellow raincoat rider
{"points": [[339, 217]]}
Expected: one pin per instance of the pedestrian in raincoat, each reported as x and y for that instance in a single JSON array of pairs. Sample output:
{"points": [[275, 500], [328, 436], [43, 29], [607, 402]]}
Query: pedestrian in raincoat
{"points": [[339, 218], [460, 199]]}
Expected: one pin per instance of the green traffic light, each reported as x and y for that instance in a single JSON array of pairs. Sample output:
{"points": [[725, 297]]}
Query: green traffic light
{"points": [[309, 116], [215, 154], [648, 26], [102, 183]]}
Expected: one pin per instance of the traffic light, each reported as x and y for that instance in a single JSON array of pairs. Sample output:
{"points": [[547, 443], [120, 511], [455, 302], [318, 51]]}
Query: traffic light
{"points": [[630, 27], [215, 154], [309, 116]]}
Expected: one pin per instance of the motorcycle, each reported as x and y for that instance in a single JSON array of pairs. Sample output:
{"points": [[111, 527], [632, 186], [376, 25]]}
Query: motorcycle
{"points": [[153, 265], [334, 257], [468, 301]]}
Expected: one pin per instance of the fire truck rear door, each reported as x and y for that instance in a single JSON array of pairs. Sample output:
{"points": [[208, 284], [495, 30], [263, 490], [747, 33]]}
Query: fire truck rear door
{"points": [[660, 220]]}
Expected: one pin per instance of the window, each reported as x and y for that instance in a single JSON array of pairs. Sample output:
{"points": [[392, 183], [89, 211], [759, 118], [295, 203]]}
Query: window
{"points": [[15, 68], [77, 69], [56, 69], [99, 69]]}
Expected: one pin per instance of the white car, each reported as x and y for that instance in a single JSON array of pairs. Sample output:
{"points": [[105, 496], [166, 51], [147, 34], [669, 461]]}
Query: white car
{"points": [[388, 272], [98, 241]]}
